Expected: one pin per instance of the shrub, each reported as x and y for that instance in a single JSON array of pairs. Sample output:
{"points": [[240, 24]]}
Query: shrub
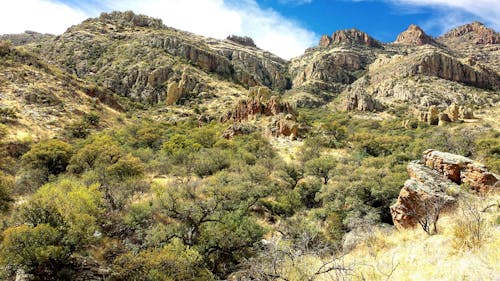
{"points": [[35, 249], [471, 228], [52, 155]]}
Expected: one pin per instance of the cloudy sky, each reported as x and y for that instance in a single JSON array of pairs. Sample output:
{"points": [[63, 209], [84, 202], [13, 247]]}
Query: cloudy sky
{"points": [[284, 27]]}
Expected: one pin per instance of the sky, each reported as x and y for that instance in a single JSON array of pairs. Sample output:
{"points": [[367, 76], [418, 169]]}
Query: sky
{"points": [[283, 27]]}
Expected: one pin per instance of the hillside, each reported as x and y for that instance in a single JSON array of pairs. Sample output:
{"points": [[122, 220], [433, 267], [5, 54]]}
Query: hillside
{"points": [[130, 150], [39, 100]]}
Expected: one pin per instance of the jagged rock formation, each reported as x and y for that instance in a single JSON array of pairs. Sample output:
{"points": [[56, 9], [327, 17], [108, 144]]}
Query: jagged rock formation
{"points": [[474, 42], [453, 113], [262, 103], [242, 40], [463, 65], [417, 70], [432, 179], [349, 36], [475, 31], [414, 35], [246, 109]]}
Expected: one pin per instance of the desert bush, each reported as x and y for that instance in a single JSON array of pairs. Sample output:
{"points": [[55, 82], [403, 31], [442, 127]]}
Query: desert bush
{"points": [[5, 193], [5, 47], [471, 228]]}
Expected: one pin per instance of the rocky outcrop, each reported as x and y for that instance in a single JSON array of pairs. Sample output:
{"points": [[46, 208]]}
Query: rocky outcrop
{"points": [[130, 19], [424, 190], [461, 169], [351, 37], [431, 183], [453, 113], [246, 109], [284, 125], [356, 99], [187, 86], [330, 71], [242, 40], [138, 57], [414, 35], [476, 32]]}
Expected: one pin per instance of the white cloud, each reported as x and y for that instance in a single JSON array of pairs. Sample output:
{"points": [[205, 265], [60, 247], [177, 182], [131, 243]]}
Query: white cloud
{"points": [[486, 10], [38, 15], [296, 2], [219, 18], [213, 18]]}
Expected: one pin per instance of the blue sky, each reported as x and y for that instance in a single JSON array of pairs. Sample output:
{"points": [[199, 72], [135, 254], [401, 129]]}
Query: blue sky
{"points": [[284, 27]]}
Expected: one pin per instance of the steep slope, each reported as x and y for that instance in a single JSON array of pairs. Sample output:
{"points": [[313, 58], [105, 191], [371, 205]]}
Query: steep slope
{"points": [[138, 57], [43, 100]]}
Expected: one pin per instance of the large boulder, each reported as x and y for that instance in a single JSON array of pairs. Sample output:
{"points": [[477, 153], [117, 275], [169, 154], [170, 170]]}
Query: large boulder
{"points": [[460, 169], [426, 189], [434, 183]]}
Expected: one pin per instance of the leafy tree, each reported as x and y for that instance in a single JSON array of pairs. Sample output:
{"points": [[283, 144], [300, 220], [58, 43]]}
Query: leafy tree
{"points": [[35, 249], [51, 156], [174, 261], [321, 167], [5, 193]]}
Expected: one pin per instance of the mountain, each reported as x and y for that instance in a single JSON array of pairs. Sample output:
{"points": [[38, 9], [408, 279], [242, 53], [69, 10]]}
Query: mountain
{"points": [[459, 67]]}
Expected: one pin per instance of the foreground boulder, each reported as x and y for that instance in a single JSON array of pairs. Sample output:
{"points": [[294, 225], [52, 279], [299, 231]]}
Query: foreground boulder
{"points": [[433, 185]]}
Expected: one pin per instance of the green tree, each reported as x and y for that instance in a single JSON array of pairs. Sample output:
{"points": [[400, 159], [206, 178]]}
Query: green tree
{"points": [[51, 156], [5, 193], [173, 262], [321, 167], [35, 249]]}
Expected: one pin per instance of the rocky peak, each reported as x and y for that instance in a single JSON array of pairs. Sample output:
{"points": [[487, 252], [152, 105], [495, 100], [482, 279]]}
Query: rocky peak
{"points": [[349, 36], [242, 40], [414, 35], [477, 31], [129, 18]]}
